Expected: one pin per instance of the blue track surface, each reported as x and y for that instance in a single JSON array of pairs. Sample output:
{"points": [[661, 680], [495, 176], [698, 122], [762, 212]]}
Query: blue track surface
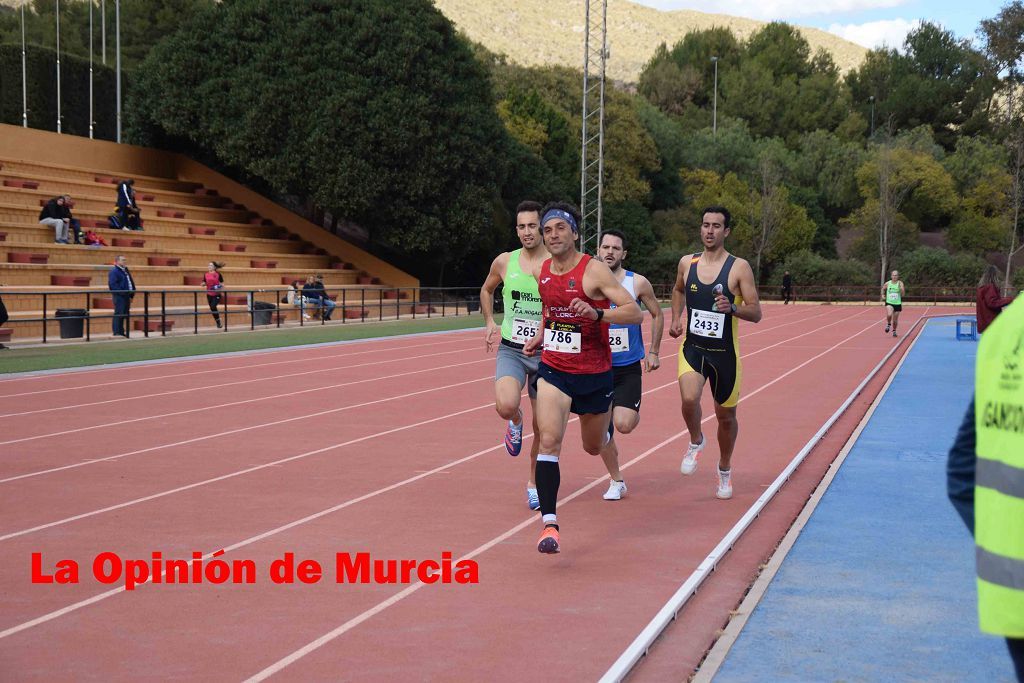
{"points": [[880, 584]]}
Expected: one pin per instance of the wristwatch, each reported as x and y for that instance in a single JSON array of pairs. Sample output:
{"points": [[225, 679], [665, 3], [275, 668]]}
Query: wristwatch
{"points": [[733, 307], [600, 314]]}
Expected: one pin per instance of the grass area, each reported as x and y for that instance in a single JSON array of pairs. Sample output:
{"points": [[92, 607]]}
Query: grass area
{"points": [[135, 349]]}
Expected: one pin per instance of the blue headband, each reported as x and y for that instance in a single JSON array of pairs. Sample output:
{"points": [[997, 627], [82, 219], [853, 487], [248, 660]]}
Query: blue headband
{"points": [[564, 215]]}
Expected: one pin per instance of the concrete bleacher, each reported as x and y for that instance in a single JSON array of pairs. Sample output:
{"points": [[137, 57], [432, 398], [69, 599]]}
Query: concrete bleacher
{"points": [[191, 216]]}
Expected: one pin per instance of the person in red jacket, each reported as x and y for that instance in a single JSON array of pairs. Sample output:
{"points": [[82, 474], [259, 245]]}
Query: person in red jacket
{"points": [[214, 282], [990, 303]]}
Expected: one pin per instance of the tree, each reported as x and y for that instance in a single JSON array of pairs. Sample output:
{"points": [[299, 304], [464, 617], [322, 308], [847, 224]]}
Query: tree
{"points": [[375, 110], [893, 189], [666, 185], [143, 24], [666, 85], [938, 81], [1004, 44]]}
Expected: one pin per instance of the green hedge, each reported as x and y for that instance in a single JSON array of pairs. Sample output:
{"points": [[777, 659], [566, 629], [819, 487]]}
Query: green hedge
{"points": [[931, 267], [41, 72], [808, 268]]}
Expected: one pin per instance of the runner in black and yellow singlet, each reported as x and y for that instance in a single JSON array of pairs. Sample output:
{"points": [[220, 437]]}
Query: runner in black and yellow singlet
{"points": [[716, 289], [711, 346]]}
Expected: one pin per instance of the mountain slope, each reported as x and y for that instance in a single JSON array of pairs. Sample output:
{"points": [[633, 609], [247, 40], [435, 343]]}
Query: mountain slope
{"points": [[539, 32]]}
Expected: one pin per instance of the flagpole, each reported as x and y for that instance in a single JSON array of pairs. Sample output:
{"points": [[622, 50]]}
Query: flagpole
{"points": [[117, 42], [58, 66], [91, 122], [24, 84]]}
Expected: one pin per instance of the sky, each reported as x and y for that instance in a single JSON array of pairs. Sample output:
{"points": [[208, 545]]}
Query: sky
{"points": [[871, 23]]}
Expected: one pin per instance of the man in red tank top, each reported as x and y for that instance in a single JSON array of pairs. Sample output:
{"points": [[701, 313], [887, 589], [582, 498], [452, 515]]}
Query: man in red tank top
{"points": [[576, 364]]}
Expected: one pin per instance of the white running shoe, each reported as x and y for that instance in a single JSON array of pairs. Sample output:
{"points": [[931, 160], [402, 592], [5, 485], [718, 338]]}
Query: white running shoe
{"points": [[616, 490], [724, 485], [689, 464], [532, 499]]}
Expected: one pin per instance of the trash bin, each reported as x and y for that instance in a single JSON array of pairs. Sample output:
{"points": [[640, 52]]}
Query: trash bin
{"points": [[72, 322], [472, 305], [263, 312]]}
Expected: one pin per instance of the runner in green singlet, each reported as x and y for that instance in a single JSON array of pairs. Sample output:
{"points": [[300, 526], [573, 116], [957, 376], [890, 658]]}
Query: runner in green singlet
{"points": [[893, 292], [522, 313]]}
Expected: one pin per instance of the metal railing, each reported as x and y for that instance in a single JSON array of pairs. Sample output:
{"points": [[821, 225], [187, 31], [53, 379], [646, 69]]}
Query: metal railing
{"points": [[159, 310], [156, 311], [865, 294]]}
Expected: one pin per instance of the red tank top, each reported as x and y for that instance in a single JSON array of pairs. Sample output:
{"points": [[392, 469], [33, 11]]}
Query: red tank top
{"points": [[211, 280], [572, 343]]}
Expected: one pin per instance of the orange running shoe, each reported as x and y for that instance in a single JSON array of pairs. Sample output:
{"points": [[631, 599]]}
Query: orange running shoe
{"points": [[548, 542]]}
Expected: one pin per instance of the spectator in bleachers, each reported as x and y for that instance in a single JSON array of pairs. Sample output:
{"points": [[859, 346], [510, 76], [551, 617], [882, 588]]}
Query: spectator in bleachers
{"points": [[56, 215], [91, 239], [295, 298], [74, 225], [313, 294], [325, 299], [214, 282], [3, 318], [127, 210], [122, 286]]}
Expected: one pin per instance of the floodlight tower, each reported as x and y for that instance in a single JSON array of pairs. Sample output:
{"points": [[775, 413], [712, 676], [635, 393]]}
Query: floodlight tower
{"points": [[595, 54]]}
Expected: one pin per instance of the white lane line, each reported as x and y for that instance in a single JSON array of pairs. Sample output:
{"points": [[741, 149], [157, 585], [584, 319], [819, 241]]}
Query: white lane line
{"points": [[237, 473], [229, 404], [412, 588], [248, 470], [57, 373], [310, 359], [273, 396], [205, 387], [102, 596]]}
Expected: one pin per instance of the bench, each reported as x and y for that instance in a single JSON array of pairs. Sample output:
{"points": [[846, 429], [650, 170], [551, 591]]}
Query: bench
{"points": [[167, 213], [69, 281], [6, 333], [966, 329], [152, 325], [23, 184], [193, 230], [25, 257], [232, 247], [128, 242]]}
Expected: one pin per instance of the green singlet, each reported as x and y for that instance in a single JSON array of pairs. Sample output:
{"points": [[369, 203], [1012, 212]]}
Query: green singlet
{"points": [[892, 293], [522, 303]]}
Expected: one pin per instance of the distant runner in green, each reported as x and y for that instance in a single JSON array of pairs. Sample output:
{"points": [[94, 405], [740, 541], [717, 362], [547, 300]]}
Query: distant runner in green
{"points": [[893, 292]]}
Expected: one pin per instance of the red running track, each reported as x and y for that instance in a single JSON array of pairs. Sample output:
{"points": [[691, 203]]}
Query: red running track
{"points": [[389, 447]]}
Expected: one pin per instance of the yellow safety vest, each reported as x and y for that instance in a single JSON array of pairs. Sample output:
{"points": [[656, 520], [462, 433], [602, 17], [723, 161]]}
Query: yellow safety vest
{"points": [[999, 487]]}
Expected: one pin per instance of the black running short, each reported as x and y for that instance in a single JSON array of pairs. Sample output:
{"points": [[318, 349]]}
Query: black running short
{"points": [[590, 394], [628, 385], [721, 368], [895, 307]]}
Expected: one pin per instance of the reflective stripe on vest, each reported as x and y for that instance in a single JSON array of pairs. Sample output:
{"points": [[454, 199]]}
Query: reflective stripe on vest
{"points": [[999, 485]]}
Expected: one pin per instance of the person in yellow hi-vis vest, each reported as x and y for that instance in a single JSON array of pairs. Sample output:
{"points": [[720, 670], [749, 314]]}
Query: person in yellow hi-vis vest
{"points": [[993, 433]]}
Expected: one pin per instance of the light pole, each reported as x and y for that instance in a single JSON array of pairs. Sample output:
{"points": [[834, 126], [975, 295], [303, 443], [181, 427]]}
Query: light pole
{"points": [[714, 106], [24, 83], [117, 60], [58, 64], [872, 99]]}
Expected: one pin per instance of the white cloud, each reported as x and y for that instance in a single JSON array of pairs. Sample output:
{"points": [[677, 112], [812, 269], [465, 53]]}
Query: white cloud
{"points": [[774, 9], [889, 33]]}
